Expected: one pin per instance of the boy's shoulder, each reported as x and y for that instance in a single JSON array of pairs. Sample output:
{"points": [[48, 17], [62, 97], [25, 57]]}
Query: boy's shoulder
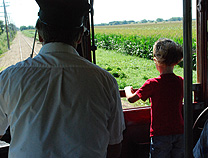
{"points": [[180, 77], [151, 80], [165, 77]]}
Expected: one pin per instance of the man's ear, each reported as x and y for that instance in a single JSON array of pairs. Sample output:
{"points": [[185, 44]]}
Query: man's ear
{"points": [[80, 37], [40, 38]]}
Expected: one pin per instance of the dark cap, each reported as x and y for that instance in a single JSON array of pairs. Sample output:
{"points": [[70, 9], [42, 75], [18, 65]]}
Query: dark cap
{"points": [[63, 13]]}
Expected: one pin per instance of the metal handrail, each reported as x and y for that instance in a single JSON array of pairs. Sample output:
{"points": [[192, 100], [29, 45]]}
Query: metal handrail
{"points": [[187, 57]]}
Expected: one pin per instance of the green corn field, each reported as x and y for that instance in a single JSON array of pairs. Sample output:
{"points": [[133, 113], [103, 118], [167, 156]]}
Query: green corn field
{"points": [[138, 39]]}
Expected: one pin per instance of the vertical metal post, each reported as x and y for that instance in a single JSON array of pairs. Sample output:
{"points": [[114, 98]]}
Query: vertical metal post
{"points": [[93, 47], [5, 16], [187, 49], [31, 55]]}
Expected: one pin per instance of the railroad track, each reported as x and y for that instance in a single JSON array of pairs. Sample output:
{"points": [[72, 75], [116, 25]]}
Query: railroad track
{"points": [[21, 49], [29, 44], [23, 41], [26, 46]]}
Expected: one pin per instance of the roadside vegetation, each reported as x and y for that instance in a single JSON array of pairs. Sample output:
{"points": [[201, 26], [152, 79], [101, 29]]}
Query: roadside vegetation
{"points": [[30, 33], [3, 43], [3, 36]]}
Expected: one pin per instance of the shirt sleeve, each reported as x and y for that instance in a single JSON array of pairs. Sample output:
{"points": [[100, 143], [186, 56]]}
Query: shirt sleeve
{"points": [[3, 122], [116, 123], [145, 91], [3, 117]]}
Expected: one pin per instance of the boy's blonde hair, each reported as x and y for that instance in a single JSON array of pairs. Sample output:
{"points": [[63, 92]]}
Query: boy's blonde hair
{"points": [[167, 52]]}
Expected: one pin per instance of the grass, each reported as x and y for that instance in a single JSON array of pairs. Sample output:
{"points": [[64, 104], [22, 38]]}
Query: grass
{"points": [[29, 33], [3, 43], [130, 71]]}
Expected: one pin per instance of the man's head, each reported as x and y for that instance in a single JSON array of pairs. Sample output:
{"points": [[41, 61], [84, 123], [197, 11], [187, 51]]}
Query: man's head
{"points": [[61, 20]]}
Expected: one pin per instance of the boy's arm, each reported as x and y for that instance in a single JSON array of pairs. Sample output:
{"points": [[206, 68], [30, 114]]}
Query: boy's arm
{"points": [[131, 94]]}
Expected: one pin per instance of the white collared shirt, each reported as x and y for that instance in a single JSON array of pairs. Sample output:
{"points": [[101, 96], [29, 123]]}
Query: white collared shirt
{"points": [[59, 105]]}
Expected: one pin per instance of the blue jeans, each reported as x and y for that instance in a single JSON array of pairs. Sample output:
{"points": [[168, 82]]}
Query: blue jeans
{"points": [[170, 146]]}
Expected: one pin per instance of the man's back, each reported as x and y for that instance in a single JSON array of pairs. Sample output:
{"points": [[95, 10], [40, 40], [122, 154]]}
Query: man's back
{"points": [[60, 105]]}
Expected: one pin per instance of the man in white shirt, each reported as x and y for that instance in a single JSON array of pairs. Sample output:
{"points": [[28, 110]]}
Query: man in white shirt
{"points": [[58, 104]]}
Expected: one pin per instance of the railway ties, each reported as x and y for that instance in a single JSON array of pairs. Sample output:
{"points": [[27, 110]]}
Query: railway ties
{"points": [[29, 45], [26, 46], [20, 50]]}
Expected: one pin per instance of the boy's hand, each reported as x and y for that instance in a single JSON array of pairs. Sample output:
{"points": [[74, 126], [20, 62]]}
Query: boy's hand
{"points": [[129, 88], [130, 94]]}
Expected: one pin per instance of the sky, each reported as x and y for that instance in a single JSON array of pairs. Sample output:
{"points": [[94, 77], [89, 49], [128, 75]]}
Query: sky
{"points": [[24, 12]]}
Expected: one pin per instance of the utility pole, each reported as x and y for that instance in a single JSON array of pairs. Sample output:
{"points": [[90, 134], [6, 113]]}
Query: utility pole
{"points": [[5, 17]]}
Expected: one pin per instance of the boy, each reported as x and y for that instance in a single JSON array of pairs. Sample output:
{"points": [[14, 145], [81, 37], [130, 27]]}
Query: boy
{"points": [[166, 94]]}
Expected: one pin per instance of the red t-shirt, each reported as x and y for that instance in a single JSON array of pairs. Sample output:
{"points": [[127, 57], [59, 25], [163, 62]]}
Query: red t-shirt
{"points": [[166, 94]]}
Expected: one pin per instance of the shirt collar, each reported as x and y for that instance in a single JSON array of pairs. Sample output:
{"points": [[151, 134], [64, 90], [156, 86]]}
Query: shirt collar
{"points": [[58, 47]]}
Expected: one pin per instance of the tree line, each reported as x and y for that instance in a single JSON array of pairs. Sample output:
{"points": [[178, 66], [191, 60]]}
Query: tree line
{"points": [[11, 27], [26, 28], [121, 22], [142, 21], [1, 27]]}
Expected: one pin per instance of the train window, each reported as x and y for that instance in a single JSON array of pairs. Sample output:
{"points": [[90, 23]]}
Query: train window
{"points": [[124, 34], [125, 45]]}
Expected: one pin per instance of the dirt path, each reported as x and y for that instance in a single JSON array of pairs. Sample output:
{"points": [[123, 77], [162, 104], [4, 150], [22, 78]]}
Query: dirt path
{"points": [[19, 50]]}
